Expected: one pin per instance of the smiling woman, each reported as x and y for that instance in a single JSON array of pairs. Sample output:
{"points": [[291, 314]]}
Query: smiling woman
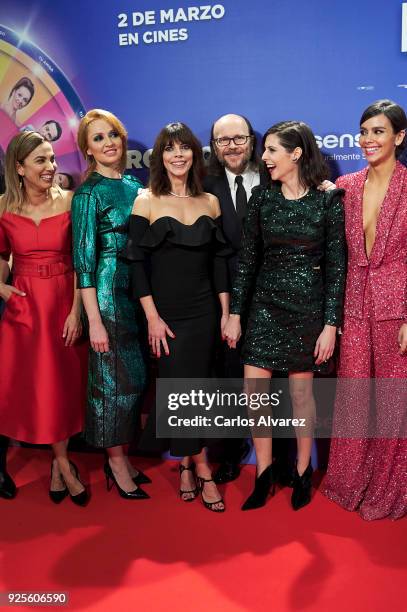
{"points": [[368, 458], [291, 231], [179, 275], [101, 208], [41, 322]]}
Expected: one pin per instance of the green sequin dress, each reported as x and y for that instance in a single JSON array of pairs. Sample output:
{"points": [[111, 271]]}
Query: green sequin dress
{"points": [[101, 209], [290, 277]]}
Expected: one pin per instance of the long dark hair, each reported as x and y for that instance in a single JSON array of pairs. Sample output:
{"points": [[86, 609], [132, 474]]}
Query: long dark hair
{"points": [[214, 165], [394, 113], [312, 167], [175, 132]]}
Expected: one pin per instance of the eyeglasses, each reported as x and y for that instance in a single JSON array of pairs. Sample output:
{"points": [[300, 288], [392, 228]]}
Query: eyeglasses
{"points": [[225, 141]]}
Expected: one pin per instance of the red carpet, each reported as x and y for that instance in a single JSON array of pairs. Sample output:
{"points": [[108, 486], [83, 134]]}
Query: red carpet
{"points": [[164, 555]]}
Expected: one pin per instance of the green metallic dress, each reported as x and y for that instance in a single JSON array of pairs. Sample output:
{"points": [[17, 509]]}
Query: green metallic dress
{"points": [[101, 209], [290, 277]]}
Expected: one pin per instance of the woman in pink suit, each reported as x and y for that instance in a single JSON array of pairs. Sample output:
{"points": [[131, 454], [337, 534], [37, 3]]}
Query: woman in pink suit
{"points": [[368, 458]]}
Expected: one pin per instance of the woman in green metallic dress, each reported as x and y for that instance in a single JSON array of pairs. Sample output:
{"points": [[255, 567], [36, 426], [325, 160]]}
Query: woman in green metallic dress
{"points": [[101, 209], [292, 263]]}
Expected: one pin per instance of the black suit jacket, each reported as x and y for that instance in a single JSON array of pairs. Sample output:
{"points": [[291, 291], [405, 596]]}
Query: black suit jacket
{"points": [[231, 224]]}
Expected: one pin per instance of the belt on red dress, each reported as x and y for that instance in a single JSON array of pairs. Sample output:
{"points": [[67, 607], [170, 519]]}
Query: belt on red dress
{"points": [[42, 270]]}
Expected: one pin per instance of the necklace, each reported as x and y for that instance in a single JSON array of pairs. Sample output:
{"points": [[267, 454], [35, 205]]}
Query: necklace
{"points": [[179, 196]]}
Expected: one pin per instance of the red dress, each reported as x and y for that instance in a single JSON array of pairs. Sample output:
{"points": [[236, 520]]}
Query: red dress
{"points": [[42, 382]]}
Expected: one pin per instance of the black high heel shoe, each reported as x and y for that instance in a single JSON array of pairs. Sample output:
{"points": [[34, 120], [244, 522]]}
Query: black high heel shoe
{"points": [[264, 485], [136, 494], [8, 489], [57, 496], [210, 505], [82, 498], [195, 491], [301, 495], [141, 478]]}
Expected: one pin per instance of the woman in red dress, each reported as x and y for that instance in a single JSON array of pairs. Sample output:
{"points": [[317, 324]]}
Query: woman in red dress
{"points": [[43, 366], [368, 459]]}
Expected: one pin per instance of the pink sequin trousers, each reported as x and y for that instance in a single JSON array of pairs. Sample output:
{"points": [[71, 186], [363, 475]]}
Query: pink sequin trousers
{"points": [[369, 474]]}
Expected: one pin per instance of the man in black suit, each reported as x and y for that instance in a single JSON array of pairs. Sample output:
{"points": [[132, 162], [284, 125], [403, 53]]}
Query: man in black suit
{"points": [[234, 170], [233, 173]]}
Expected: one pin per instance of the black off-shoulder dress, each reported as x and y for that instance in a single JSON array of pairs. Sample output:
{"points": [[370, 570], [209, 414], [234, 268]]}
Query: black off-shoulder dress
{"points": [[183, 267]]}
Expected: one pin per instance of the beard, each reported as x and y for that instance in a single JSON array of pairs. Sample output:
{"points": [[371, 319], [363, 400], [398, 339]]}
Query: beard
{"points": [[236, 169]]}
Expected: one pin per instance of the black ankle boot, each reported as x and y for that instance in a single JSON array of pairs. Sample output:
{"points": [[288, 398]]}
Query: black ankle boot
{"points": [[301, 495], [263, 485], [8, 488]]}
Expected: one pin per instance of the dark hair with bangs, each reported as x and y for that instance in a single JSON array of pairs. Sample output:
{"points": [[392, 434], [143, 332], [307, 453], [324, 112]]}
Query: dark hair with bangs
{"points": [[312, 167], [175, 132], [394, 113]]}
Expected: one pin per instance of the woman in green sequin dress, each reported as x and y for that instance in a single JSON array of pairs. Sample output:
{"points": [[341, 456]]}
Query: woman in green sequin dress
{"points": [[292, 263], [101, 209]]}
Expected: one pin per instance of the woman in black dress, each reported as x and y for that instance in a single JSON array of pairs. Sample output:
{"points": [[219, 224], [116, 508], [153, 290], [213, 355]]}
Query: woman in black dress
{"points": [[176, 226], [293, 256]]}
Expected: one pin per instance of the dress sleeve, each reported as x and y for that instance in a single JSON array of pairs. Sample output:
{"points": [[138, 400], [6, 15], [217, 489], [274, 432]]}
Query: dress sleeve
{"points": [[84, 231], [249, 256], [139, 257], [5, 248], [220, 261], [335, 258]]}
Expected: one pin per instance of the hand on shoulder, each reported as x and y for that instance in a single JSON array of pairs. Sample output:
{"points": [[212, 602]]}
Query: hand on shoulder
{"points": [[214, 204], [65, 196], [142, 203]]}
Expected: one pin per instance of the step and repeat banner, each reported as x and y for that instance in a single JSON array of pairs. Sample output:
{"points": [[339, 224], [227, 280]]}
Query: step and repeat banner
{"points": [[153, 62]]}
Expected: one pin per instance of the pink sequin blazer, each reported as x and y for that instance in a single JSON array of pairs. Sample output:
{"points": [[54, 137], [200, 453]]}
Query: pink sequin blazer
{"points": [[386, 267]]}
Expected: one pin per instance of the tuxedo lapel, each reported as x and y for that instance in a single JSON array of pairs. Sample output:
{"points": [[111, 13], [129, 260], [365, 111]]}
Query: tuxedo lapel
{"points": [[387, 213], [231, 224], [357, 221]]}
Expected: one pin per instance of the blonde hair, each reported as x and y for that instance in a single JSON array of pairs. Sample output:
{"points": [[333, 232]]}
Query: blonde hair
{"points": [[18, 150], [92, 115]]}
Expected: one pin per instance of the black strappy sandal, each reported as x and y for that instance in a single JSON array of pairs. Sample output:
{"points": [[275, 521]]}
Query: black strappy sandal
{"points": [[195, 491], [210, 505]]}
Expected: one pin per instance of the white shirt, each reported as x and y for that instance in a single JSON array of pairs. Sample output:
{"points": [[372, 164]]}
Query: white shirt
{"points": [[251, 178]]}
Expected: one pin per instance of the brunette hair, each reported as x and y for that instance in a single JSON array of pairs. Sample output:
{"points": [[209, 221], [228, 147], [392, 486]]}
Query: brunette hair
{"points": [[23, 82], [175, 132], [98, 113], [215, 166], [18, 149], [58, 129], [312, 167], [394, 113]]}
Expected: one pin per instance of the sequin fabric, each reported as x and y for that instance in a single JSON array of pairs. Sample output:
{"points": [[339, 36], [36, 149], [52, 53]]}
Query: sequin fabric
{"points": [[101, 208], [368, 473], [293, 256]]}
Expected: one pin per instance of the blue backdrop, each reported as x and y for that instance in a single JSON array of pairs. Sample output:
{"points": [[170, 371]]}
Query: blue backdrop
{"points": [[153, 62]]}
